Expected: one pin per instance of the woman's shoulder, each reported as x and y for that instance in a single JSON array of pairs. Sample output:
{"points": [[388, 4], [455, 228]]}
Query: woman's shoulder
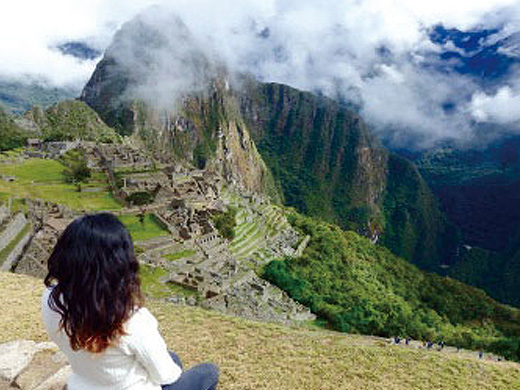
{"points": [[141, 320], [46, 295]]}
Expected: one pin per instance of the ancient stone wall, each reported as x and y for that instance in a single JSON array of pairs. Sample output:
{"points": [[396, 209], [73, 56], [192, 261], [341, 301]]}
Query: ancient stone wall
{"points": [[4, 214], [12, 229], [16, 253]]}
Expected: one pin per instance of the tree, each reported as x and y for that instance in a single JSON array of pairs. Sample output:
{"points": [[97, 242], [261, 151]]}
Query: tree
{"points": [[141, 199], [76, 169]]}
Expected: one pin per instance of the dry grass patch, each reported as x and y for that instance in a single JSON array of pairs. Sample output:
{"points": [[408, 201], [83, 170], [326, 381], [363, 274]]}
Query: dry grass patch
{"points": [[264, 356]]}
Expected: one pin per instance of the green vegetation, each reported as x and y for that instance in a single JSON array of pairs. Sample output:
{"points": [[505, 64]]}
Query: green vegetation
{"points": [[140, 198], [263, 356], [226, 222], [11, 135], [44, 179], [415, 229], [141, 231], [180, 255], [358, 287], [72, 120], [496, 273], [76, 170], [328, 166]]}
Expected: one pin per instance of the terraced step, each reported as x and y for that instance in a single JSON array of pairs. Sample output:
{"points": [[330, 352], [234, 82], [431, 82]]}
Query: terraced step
{"points": [[157, 244], [249, 246], [247, 231]]}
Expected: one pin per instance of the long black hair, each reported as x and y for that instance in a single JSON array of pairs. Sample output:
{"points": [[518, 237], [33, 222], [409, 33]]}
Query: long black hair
{"points": [[97, 283]]}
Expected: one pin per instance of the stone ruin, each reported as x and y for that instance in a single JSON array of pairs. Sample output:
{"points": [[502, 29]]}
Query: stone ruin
{"points": [[27, 365], [184, 202], [48, 221], [230, 287], [36, 148]]}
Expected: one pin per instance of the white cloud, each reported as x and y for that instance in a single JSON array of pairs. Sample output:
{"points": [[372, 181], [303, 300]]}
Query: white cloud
{"points": [[370, 51], [30, 28], [502, 108]]}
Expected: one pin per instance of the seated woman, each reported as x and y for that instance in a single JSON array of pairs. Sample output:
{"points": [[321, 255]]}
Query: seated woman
{"points": [[93, 310]]}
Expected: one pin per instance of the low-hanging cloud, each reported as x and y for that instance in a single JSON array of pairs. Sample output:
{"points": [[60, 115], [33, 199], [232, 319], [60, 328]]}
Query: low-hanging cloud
{"points": [[502, 108], [374, 53]]}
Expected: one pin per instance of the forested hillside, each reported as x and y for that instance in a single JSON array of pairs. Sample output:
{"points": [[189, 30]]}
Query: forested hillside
{"points": [[328, 165], [357, 287]]}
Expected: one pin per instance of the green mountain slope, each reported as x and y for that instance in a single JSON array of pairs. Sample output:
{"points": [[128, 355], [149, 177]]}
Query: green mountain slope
{"points": [[17, 97], [71, 120], [359, 287], [11, 135], [329, 166], [479, 190]]}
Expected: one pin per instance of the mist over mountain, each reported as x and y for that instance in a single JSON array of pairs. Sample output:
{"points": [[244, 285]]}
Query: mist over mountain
{"points": [[420, 74]]}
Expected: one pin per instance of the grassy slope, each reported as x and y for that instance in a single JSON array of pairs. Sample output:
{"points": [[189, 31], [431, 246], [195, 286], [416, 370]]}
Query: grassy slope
{"points": [[262, 356], [11, 135], [142, 231], [38, 178], [71, 120]]}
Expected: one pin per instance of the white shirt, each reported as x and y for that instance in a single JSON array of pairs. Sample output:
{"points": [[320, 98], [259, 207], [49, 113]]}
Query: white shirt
{"points": [[140, 361]]}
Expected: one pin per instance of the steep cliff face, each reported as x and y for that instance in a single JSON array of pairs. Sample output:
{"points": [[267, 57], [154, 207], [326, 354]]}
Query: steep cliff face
{"points": [[156, 85], [328, 165], [322, 155]]}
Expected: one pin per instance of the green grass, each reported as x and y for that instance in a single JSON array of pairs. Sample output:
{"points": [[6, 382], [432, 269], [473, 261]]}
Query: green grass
{"points": [[9, 248], [263, 356], [180, 255], [143, 231], [17, 204], [154, 288], [43, 179]]}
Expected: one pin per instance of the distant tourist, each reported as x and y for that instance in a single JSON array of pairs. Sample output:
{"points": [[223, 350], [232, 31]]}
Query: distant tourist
{"points": [[93, 309], [480, 354]]}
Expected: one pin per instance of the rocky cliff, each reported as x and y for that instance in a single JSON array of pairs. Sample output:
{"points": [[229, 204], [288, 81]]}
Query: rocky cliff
{"points": [[156, 85], [327, 164]]}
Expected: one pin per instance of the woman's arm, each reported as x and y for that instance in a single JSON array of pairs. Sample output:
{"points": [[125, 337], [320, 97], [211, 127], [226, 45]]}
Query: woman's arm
{"points": [[150, 349]]}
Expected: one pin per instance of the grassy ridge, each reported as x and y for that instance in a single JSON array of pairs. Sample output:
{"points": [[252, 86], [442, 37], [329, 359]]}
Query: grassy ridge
{"points": [[262, 356], [72, 120], [363, 288]]}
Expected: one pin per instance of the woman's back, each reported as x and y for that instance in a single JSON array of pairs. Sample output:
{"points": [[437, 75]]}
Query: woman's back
{"points": [[118, 367], [93, 309]]}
